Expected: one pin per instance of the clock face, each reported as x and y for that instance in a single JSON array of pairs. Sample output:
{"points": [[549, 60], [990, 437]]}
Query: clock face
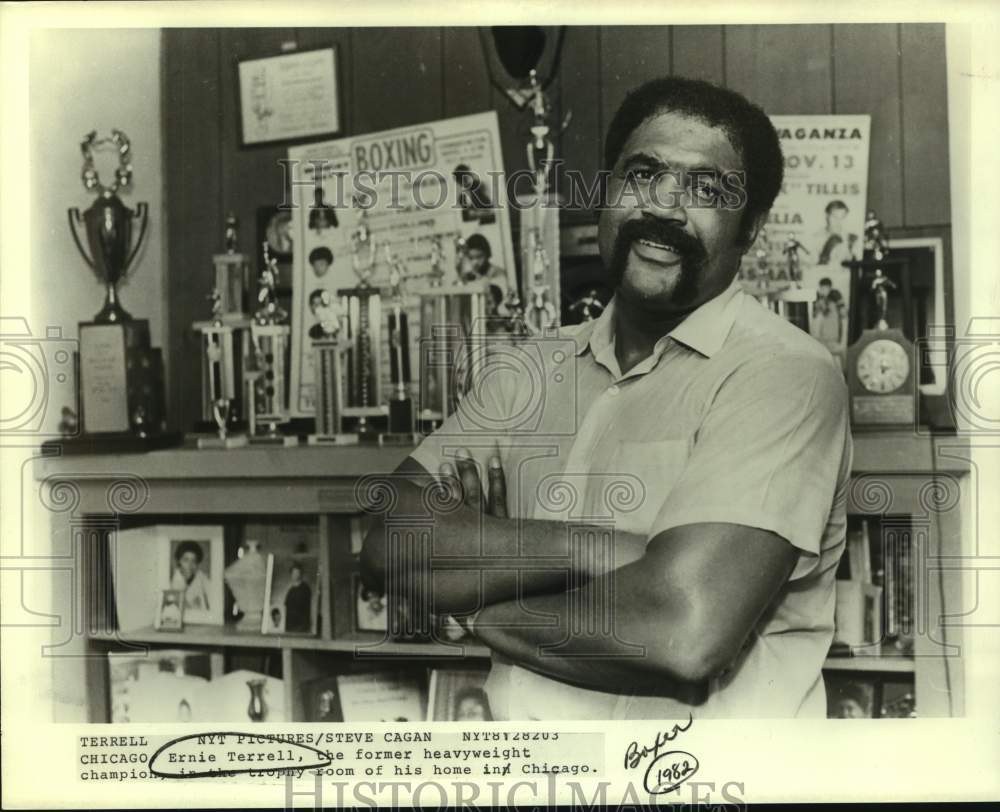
{"points": [[883, 366]]}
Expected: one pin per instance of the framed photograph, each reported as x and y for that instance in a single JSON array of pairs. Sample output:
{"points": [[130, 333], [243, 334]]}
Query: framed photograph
{"points": [[370, 609], [292, 593], [190, 559], [321, 700], [289, 97], [170, 614], [383, 696], [458, 695], [849, 697]]}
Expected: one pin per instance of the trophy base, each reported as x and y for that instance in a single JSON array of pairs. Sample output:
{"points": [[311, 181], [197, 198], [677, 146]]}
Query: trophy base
{"points": [[230, 441], [333, 439], [397, 438], [279, 440]]}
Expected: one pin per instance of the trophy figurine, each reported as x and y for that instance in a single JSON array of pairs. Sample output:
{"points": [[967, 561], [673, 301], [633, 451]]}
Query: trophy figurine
{"points": [[791, 252], [120, 374], [541, 314]]}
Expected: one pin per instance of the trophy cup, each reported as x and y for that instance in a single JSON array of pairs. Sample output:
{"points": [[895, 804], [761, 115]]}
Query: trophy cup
{"points": [[401, 417], [267, 381], [121, 374], [361, 330]]}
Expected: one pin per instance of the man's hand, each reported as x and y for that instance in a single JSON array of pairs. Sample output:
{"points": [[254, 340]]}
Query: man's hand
{"points": [[466, 486]]}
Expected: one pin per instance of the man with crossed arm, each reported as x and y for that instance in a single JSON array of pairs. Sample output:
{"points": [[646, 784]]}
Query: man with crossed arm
{"points": [[726, 426]]}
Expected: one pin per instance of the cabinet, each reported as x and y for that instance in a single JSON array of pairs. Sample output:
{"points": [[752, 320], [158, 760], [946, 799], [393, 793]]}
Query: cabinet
{"points": [[921, 479]]}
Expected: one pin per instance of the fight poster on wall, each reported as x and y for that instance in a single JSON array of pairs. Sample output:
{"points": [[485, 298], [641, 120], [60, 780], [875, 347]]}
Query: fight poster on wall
{"points": [[817, 222], [416, 191]]}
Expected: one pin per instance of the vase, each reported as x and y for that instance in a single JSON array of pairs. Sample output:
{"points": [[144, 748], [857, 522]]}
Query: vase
{"points": [[245, 577], [257, 709]]}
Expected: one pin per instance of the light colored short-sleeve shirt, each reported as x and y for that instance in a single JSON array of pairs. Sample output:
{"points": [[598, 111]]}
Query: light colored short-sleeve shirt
{"points": [[737, 416]]}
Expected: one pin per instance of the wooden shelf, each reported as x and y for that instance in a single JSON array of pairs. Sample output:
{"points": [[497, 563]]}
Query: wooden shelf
{"points": [[900, 665], [361, 645]]}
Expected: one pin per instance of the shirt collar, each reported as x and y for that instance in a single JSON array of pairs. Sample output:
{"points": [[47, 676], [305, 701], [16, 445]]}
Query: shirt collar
{"points": [[704, 330]]}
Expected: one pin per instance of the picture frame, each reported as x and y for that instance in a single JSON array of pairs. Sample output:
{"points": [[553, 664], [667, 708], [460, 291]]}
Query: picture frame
{"points": [[292, 593], [288, 97], [321, 700], [170, 611], [458, 695], [370, 608], [191, 559]]}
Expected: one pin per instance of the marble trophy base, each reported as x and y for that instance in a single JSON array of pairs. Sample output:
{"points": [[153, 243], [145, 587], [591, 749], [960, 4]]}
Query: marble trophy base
{"points": [[229, 441], [345, 438]]}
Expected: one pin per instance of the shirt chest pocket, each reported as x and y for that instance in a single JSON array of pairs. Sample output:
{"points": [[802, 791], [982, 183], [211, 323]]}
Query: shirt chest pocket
{"points": [[658, 465]]}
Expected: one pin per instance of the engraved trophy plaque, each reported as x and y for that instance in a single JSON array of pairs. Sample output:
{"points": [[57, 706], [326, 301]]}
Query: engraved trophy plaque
{"points": [[120, 373]]}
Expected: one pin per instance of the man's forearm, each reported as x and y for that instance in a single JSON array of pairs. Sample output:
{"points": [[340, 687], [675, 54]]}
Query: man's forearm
{"points": [[480, 560], [610, 632]]}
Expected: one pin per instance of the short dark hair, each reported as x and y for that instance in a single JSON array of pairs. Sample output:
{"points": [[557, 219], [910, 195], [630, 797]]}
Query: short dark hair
{"points": [[322, 252], [833, 205], [479, 243], [189, 547], [316, 294], [826, 280], [745, 124]]}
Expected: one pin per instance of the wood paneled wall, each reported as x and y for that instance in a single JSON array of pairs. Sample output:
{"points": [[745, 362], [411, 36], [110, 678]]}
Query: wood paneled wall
{"points": [[392, 77]]}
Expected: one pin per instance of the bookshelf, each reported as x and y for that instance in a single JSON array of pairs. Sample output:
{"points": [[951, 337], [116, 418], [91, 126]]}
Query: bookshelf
{"points": [[894, 475]]}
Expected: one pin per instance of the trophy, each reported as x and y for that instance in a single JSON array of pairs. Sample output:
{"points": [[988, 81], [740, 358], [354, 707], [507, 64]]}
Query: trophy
{"points": [[121, 374], [401, 417], [453, 337], [361, 333], [328, 351], [266, 381], [231, 272], [222, 354]]}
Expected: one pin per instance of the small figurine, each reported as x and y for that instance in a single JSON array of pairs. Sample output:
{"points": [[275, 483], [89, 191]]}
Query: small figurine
{"points": [[542, 314], [880, 287], [232, 233], [461, 258]]}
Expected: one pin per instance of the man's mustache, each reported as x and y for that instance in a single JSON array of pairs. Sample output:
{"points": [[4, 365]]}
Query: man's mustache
{"points": [[661, 232]]}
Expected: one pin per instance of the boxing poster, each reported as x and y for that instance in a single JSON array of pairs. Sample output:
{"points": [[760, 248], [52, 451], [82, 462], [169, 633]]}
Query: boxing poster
{"points": [[412, 193], [817, 222]]}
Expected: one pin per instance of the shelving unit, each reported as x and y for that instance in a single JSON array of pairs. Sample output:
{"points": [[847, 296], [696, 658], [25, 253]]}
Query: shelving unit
{"points": [[895, 474]]}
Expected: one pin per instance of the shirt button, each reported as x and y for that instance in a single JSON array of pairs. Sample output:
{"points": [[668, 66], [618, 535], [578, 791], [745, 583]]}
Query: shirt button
{"points": [[614, 390]]}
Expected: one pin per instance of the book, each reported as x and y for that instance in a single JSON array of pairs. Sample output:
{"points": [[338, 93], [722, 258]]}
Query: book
{"points": [[858, 615], [458, 694], [382, 696]]}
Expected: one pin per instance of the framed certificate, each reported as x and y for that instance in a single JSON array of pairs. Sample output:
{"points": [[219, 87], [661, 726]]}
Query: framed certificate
{"points": [[289, 97]]}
